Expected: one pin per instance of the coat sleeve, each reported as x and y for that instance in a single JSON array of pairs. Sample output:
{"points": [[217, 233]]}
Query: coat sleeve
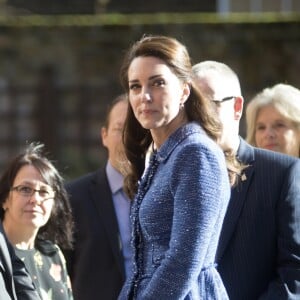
{"points": [[287, 284], [24, 287]]}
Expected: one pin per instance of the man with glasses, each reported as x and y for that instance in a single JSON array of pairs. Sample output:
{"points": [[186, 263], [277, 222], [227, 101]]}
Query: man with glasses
{"points": [[259, 249]]}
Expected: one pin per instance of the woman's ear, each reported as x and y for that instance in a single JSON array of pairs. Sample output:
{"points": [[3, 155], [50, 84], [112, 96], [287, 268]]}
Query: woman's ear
{"points": [[185, 92], [4, 205]]}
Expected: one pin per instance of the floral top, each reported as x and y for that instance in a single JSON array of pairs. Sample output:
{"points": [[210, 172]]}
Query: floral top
{"points": [[48, 272]]}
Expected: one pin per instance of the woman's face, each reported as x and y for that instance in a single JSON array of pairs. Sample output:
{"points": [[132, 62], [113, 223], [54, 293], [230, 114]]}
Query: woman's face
{"points": [[25, 211], [274, 132], [155, 93]]}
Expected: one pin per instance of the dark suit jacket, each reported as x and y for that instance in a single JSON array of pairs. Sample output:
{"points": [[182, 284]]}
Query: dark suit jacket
{"points": [[15, 282], [259, 249], [96, 265]]}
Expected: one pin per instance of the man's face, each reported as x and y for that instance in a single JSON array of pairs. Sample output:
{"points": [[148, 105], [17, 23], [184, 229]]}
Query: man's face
{"points": [[112, 135], [216, 88]]}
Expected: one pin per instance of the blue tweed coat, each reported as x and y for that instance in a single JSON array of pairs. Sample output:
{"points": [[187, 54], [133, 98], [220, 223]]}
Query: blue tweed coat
{"points": [[177, 217]]}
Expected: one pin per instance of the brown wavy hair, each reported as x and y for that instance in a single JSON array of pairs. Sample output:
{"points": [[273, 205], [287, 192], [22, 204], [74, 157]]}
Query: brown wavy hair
{"points": [[198, 108]]}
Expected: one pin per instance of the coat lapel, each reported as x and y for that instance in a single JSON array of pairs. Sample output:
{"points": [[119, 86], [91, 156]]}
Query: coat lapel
{"points": [[6, 263], [237, 199], [4, 249], [102, 197]]}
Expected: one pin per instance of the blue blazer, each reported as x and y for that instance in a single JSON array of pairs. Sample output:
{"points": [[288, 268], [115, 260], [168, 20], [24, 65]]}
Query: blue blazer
{"points": [[15, 282], [259, 248], [95, 265], [177, 217]]}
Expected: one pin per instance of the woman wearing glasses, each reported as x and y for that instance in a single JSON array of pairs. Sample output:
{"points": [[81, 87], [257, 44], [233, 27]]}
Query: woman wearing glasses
{"points": [[36, 218]]}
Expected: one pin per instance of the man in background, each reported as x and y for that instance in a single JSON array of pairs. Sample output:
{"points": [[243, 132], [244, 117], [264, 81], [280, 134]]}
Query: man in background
{"points": [[101, 257], [258, 255]]}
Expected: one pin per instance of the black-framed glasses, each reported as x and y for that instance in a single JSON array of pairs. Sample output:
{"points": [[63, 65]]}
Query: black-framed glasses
{"points": [[224, 99], [28, 191]]}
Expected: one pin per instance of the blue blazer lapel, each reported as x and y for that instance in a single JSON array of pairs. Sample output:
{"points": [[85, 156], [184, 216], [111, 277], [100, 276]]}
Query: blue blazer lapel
{"points": [[237, 199], [101, 195]]}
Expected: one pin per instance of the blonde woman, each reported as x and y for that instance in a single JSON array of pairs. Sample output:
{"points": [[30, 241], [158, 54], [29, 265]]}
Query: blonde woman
{"points": [[273, 119]]}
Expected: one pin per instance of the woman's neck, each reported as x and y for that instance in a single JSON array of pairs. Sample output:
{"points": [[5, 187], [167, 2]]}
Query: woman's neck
{"points": [[18, 237], [161, 134]]}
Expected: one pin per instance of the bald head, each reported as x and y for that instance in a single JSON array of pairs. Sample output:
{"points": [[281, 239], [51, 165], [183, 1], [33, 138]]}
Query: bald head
{"points": [[219, 83], [216, 80]]}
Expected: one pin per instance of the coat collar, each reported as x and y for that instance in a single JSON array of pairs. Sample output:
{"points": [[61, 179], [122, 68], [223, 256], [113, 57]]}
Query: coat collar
{"points": [[176, 138]]}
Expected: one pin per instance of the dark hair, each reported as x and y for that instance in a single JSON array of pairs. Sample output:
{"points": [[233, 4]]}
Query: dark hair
{"points": [[137, 139], [59, 227]]}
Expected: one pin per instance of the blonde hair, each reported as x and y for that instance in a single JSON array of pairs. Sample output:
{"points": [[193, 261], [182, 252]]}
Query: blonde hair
{"points": [[286, 100]]}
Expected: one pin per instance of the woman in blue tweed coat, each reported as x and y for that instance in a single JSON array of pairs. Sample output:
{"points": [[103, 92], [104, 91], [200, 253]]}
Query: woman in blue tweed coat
{"points": [[181, 198]]}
